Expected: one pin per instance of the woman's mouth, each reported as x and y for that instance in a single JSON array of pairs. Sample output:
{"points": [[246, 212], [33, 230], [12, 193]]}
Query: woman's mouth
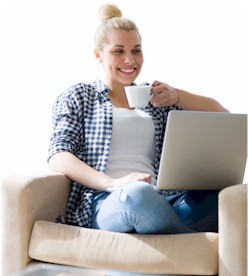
{"points": [[127, 70]]}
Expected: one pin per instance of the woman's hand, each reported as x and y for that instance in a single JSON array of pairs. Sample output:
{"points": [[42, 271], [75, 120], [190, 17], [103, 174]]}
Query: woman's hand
{"points": [[132, 177], [164, 94]]}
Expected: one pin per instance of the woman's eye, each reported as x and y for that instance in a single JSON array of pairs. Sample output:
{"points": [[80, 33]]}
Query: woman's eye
{"points": [[137, 51], [118, 52]]}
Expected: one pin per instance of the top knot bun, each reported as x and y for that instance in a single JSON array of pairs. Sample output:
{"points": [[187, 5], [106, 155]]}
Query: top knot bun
{"points": [[111, 20], [108, 11]]}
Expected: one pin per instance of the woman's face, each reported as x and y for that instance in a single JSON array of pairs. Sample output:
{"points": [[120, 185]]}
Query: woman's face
{"points": [[121, 58]]}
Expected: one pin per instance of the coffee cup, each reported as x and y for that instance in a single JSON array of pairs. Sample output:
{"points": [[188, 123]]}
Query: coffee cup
{"points": [[138, 96]]}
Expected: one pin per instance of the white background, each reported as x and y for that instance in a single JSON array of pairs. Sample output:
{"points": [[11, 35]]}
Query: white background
{"points": [[46, 46]]}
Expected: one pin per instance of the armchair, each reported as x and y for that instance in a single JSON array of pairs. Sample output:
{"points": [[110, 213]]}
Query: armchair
{"points": [[31, 203]]}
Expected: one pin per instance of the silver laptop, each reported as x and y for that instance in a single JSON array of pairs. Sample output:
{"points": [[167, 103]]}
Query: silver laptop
{"points": [[203, 151]]}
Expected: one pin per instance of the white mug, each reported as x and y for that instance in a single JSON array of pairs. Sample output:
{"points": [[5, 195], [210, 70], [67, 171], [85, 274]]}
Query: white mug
{"points": [[138, 96]]}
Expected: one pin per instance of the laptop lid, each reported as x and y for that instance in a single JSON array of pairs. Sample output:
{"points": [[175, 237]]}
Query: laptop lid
{"points": [[203, 150]]}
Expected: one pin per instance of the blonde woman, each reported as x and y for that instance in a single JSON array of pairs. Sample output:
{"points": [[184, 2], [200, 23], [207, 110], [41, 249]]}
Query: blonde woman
{"points": [[111, 152]]}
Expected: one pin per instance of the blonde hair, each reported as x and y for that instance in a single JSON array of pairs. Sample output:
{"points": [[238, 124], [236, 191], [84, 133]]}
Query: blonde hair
{"points": [[111, 19]]}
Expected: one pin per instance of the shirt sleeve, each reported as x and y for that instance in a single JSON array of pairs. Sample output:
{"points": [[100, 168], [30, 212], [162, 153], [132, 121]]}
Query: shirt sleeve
{"points": [[67, 124]]}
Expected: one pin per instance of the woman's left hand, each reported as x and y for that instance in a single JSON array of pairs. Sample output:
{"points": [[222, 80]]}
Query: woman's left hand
{"points": [[164, 94]]}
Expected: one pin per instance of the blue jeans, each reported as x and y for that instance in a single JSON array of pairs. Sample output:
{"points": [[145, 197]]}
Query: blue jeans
{"points": [[138, 207]]}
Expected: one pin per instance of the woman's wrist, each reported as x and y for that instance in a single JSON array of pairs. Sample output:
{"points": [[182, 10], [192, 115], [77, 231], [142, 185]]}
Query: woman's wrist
{"points": [[178, 96], [108, 185]]}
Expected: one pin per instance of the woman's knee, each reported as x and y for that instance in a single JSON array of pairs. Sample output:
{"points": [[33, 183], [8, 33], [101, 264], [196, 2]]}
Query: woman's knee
{"points": [[139, 191], [137, 196]]}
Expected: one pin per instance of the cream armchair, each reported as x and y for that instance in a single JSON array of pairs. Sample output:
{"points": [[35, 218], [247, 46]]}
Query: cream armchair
{"points": [[32, 202]]}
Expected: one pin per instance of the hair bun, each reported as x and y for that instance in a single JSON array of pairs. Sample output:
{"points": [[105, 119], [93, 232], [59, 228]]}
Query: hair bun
{"points": [[108, 11]]}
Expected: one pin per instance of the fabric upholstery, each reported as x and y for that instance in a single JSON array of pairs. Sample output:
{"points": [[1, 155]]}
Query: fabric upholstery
{"points": [[34, 200], [25, 199], [233, 231], [70, 245]]}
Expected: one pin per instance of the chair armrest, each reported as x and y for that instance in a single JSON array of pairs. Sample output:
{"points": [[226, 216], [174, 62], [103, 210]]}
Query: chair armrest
{"points": [[25, 199], [233, 231]]}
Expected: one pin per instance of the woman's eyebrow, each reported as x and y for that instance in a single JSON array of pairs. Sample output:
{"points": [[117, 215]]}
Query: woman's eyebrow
{"points": [[122, 46], [118, 46]]}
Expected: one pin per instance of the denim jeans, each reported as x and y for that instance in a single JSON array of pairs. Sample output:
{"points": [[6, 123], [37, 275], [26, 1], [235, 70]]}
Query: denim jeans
{"points": [[138, 207]]}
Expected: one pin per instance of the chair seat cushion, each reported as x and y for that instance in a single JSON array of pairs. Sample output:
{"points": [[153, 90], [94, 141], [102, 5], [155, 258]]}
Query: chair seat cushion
{"points": [[159, 253]]}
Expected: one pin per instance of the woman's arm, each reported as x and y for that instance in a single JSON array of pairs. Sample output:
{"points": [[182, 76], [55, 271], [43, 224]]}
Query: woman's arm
{"points": [[167, 95], [78, 171], [189, 101]]}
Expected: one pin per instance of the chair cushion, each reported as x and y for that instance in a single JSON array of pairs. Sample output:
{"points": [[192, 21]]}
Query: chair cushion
{"points": [[176, 254]]}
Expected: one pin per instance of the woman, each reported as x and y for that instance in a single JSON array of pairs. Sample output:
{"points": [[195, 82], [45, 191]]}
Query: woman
{"points": [[103, 145]]}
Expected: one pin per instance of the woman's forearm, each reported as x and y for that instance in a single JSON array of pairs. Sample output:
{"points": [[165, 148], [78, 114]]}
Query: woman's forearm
{"points": [[189, 101], [78, 171]]}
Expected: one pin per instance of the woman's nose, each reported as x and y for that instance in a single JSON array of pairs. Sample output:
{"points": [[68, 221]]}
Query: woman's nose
{"points": [[129, 59]]}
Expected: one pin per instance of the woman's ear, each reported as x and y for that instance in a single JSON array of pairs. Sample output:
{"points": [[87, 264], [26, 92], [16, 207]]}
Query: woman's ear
{"points": [[98, 55]]}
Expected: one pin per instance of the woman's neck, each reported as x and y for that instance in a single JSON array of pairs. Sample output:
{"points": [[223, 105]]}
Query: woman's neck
{"points": [[118, 99], [118, 96]]}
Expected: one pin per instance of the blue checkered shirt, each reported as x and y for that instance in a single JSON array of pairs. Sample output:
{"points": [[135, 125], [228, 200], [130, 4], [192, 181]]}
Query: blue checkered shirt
{"points": [[82, 122]]}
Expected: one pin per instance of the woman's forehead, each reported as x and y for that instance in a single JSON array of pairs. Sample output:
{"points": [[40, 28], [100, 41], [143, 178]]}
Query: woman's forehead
{"points": [[120, 37]]}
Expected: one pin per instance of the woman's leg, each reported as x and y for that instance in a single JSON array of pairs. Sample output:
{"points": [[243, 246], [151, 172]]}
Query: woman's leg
{"points": [[137, 207], [197, 209]]}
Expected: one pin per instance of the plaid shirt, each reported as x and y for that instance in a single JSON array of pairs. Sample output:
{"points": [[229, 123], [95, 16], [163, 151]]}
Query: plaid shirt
{"points": [[82, 121]]}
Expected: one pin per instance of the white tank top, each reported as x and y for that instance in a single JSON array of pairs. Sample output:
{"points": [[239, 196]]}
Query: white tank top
{"points": [[132, 146]]}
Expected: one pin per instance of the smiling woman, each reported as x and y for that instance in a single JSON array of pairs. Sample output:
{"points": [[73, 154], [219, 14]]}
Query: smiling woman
{"points": [[102, 144], [47, 46]]}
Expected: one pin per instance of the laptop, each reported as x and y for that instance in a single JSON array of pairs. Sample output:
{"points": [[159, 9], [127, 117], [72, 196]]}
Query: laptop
{"points": [[203, 151]]}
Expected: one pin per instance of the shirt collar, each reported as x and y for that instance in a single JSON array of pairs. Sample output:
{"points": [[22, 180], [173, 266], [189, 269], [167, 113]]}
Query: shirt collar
{"points": [[101, 87]]}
